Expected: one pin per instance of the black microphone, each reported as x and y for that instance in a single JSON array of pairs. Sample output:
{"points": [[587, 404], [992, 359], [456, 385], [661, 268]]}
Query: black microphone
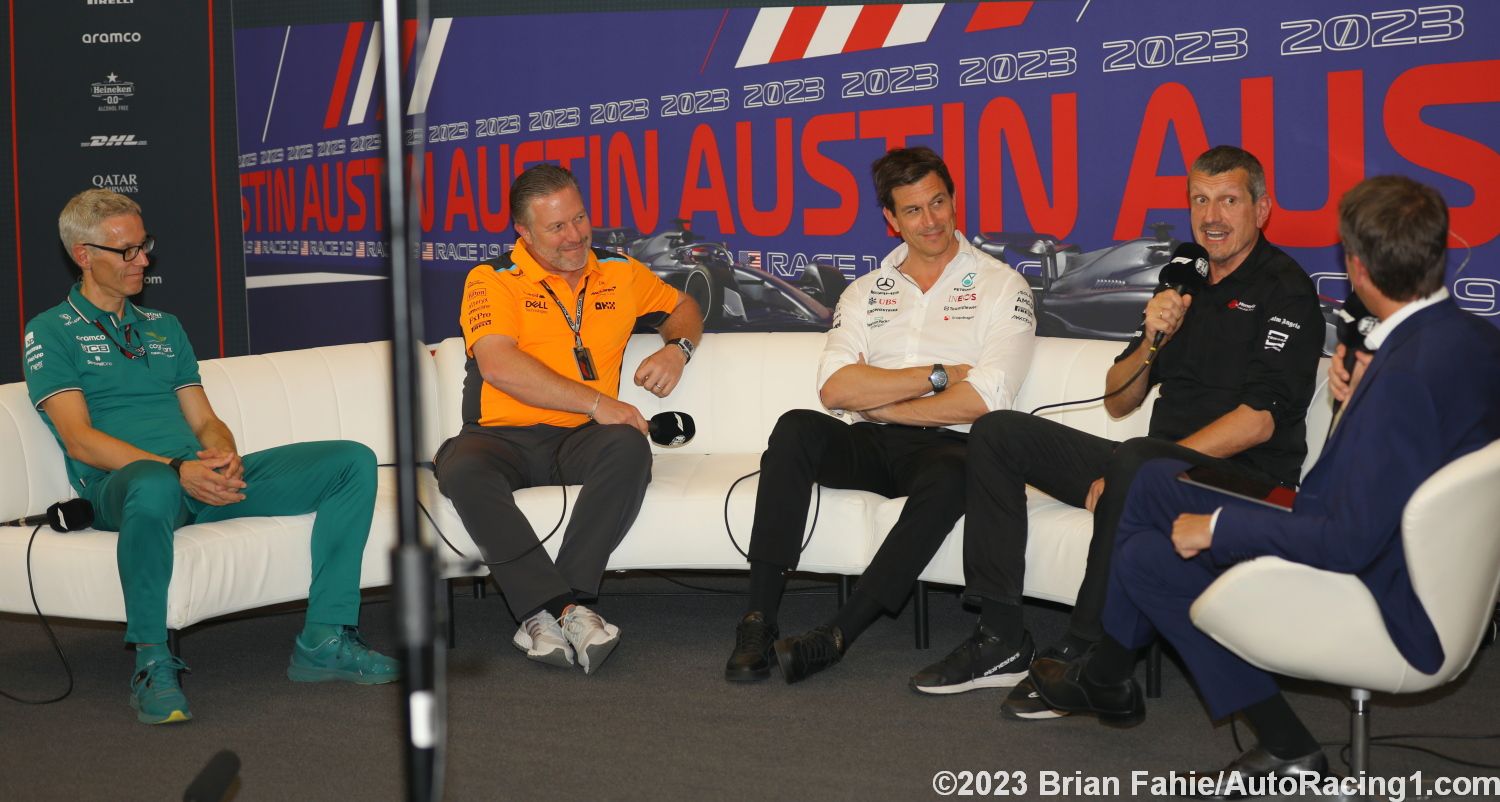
{"points": [[1186, 273], [213, 782], [1356, 322], [672, 428], [64, 516]]}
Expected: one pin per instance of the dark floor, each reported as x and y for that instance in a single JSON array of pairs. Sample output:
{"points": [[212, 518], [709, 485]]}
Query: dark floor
{"points": [[658, 721]]}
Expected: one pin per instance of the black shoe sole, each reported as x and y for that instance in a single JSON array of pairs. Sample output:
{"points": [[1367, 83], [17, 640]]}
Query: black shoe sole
{"points": [[748, 674]]}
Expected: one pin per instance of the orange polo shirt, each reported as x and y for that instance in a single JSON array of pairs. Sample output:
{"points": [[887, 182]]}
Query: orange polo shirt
{"points": [[506, 296]]}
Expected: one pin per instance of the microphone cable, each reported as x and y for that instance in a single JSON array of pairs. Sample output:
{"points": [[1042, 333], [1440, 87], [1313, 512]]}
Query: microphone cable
{"points": [[471, 563], [1151, 355], [47, 627], [817, 507]]}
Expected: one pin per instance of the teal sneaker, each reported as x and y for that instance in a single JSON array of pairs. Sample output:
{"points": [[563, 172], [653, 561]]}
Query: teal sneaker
{"points": [[155, 694], [344, 657]]}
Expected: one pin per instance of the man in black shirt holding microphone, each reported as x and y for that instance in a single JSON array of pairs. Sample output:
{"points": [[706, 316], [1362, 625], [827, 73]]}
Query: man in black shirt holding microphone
{"points": [[1236, 354]]}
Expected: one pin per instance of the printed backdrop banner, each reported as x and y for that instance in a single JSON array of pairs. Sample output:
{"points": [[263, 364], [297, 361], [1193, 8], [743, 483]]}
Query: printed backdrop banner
{"points": [[134, 98], [730, 149]]}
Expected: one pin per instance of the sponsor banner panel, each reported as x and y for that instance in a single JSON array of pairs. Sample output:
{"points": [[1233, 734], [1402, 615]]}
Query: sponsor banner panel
{"points": [[116, 95], [730, 149]]}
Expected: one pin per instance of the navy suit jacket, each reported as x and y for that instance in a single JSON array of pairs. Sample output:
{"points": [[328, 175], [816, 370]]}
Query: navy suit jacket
{"points": [[1430, 395]]}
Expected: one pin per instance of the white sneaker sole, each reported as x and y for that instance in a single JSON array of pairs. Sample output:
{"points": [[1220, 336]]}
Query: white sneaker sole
{"points": [[992, 681], [595, 654], [556, 657]]}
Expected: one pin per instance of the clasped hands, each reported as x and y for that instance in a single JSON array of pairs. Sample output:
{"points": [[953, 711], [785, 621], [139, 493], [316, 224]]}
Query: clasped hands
{"points": [[215, 478]]}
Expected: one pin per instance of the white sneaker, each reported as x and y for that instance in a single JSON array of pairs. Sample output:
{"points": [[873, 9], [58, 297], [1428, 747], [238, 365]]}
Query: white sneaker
{"points": [[542, 640], [592, 637]]}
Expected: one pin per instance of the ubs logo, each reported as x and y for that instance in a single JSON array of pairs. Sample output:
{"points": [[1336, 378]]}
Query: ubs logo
{"points": [[885, 283]]}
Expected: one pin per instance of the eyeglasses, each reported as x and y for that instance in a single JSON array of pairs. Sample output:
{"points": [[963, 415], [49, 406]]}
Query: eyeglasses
{"points": [[129, 252]]}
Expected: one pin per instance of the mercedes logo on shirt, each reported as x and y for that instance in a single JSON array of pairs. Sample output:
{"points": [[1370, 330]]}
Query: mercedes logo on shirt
{"points": [[885, 283]]}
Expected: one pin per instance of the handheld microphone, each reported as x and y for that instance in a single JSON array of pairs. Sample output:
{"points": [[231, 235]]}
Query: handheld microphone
{"points": [[671, 429], [64, 516], [212, 783], [1356, 322], [1186, 273]]}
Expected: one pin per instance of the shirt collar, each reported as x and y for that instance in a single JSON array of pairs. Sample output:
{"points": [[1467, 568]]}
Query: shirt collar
{"points": [[1247, 268], [892, 261], [533, 271], [1382, 330], [88, 311]]}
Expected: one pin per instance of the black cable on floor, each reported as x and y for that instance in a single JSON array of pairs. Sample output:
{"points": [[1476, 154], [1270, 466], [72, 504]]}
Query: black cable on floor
{"points": [[47, 627]]}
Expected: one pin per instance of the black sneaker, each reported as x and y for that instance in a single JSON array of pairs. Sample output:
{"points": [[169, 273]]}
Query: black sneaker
{"points": [[1024, 703], [802, 656], [753, 650], [981, 661]]}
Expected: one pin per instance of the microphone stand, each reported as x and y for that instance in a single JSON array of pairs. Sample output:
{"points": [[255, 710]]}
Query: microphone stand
{"points": [[412, 563]]}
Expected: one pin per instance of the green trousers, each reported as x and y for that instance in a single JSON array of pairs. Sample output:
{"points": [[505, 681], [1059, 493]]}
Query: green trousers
{"points": [[145, 503]]}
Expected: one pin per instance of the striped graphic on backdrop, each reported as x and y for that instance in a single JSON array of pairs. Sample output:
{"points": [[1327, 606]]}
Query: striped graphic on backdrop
{"points": [[791, 34]]}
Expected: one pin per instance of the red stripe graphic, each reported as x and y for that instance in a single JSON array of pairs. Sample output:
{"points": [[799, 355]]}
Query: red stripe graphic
{"points": [[872, 27], [346, 68], [990, 16], [408, 41], [213, 174], [797, 33], [15, 173]]}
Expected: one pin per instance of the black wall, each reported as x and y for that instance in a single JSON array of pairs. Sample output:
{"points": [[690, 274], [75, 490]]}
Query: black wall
{"points": [[167, 139]]}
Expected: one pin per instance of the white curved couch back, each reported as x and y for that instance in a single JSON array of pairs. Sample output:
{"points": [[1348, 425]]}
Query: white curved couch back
{"points": [[340, 392]]}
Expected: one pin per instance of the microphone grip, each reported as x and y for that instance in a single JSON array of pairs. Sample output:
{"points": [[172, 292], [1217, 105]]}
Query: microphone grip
{"points": [[214, 780]]}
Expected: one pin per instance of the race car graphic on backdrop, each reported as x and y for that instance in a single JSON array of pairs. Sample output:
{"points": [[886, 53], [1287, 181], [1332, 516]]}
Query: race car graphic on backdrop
{"points": [[730, 149]]}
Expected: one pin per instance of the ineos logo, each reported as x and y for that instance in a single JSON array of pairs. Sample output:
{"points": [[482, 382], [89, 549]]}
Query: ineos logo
{"points": [[112, 38]]}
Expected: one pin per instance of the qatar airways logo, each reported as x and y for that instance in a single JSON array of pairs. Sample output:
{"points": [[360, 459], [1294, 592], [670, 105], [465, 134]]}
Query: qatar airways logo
{"points": [[123, 183]]}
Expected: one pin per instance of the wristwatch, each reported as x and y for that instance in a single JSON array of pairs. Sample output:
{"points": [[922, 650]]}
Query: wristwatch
{"points": [[176, 465], [686, 345], [939, 378]]}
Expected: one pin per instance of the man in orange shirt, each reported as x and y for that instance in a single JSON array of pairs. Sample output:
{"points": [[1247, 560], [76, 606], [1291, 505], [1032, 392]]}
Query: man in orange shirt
{"points": [[545, 327]]}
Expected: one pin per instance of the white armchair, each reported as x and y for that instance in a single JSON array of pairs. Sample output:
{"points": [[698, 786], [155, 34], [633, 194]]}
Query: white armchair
{"points": [[1451, 532]]}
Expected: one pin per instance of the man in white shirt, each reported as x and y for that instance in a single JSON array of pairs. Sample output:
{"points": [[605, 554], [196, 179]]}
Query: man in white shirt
{"points": [[938, 335]]}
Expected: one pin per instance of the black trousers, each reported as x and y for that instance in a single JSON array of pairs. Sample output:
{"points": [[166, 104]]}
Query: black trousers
{"points": [[807, 447], [1009, 450], [481, 468]]}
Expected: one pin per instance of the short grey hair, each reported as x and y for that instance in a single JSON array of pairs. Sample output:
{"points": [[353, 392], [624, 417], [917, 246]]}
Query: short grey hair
{"points": [[1228, 158], [80, 218]]}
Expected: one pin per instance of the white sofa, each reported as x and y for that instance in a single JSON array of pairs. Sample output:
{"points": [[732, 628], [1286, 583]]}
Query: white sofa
{"points": [[736, 388]]}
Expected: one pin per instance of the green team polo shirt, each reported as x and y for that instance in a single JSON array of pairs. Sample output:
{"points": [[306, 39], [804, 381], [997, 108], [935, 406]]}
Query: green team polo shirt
{"points": [[129, 371]]}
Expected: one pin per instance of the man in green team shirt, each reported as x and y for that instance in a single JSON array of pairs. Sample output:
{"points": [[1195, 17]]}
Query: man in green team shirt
{"points": [[118, 385]]}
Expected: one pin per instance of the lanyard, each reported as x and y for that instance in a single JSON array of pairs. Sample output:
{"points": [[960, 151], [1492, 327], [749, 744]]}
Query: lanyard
{"points": [[125, 350], [575, 325]]}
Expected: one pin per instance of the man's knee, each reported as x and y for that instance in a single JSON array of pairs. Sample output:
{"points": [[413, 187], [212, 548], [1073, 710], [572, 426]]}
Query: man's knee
{"points": [[993, 437], [621, 448], [795, 426], [995, 425], [1130, 455], [355, 456], [464, 472], [151, 488]]}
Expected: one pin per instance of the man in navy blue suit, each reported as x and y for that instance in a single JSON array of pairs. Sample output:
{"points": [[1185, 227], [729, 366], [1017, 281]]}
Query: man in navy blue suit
{"points": [[1429, 394]]}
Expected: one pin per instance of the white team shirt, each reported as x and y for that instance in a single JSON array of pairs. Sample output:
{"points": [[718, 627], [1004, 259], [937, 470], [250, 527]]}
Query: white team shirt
{"points": [[979, 312]]}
